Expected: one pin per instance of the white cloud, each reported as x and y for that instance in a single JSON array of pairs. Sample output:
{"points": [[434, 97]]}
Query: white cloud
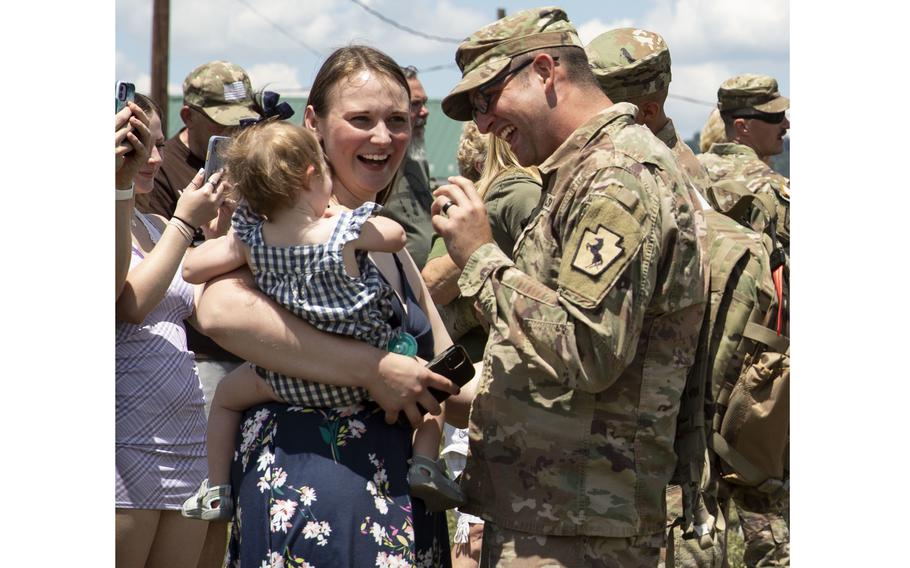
{"points": [[701, 29], [278, 77], [593, 28]]}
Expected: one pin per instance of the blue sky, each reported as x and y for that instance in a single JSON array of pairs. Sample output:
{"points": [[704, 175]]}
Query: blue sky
{"points": [[277, 41]]}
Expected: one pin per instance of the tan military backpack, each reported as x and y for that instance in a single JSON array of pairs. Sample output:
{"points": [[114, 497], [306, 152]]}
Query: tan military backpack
{"points": [[736, 400]]}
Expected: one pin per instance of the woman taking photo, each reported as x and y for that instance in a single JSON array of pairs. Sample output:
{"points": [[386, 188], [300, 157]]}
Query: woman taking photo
{"points": [[160, 425]]}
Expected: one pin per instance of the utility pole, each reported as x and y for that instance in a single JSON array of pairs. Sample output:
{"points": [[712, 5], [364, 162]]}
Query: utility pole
{"points": [[160, 54]]}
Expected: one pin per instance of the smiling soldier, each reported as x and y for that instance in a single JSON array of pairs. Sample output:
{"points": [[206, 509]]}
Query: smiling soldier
{"points": [[593, 325]]}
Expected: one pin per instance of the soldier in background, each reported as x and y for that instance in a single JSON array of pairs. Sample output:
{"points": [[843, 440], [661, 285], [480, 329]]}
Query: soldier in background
{"points": [[409, 200], [755, 122], [634, 65], [593, 325], [754, 117]]}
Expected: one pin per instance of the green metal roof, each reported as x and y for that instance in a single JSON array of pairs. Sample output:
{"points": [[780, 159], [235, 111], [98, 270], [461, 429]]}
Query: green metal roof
{"points": [[442, 133]]}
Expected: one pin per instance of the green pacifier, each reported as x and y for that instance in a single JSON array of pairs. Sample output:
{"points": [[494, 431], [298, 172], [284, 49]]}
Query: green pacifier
{"points": [[403, 343]]}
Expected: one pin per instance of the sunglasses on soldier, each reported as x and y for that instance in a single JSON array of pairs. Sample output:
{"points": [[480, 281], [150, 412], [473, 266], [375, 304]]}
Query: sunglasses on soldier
{"points": [[481, 100], [770, 118]]}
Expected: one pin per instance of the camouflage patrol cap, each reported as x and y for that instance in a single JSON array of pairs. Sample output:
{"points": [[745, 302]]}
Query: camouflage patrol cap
{"points": [[751, 91], [221, 90], [489, 50], [630, 63]]}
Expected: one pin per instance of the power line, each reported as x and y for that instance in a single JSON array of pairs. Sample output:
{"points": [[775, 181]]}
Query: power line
{"points": [[282, 30], [691, 100], [437, 68], [405, 28]]}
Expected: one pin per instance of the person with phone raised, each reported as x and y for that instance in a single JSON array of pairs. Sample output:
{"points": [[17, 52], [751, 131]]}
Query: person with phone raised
{"points": [[160, 425], [329, 484]]}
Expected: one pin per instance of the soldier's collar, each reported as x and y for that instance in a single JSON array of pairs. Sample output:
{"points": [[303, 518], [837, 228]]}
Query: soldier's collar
{"points": [[585, 133], [667, 134], [733, 148]]}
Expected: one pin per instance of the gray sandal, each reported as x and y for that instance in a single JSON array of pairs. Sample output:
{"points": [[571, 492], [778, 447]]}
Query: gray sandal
{"points": [[429, 482], [210, 503]]}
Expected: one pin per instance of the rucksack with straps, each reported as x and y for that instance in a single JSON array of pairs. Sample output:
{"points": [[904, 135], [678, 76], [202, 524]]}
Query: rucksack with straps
{"points": [[736, 400]]}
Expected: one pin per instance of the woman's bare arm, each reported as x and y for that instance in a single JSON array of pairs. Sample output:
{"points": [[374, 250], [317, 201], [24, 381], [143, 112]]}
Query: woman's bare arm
{"points": [[246, 322], [441, 277]]}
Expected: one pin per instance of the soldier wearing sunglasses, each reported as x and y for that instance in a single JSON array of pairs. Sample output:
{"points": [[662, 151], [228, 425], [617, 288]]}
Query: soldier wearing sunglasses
{"points": [[755, 121]]}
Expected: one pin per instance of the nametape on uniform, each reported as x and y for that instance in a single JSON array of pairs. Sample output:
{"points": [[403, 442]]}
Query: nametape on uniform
{"points": [[597, 250]]}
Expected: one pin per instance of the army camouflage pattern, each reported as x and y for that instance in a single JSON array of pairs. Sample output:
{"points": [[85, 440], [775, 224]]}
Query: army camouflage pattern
{"points": [[738, 163], [767, 538], [759, 92], [487, 52], [572, 429], [504, 548], [687, 552], [630, 63], [221, 90]]}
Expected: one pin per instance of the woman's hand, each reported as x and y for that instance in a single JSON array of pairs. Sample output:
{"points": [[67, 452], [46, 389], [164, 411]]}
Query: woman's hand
{"points": [[199, 202], [131, 143], [401, 383]]}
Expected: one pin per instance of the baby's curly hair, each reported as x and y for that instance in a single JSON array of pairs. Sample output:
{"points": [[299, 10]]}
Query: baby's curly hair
{"points": [[472, 150], [267, 164]]}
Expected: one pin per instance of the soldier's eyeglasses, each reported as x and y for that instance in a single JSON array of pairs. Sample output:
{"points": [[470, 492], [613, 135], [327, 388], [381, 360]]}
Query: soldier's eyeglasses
{"points": [[480, 99]]}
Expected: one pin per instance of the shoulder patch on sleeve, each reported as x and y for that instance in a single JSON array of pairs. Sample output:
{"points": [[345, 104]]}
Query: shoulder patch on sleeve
{"points": [[605, 238]]}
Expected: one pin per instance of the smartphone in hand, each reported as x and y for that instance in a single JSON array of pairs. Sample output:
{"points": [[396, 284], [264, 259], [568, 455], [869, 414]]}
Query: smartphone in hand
{"points": [[214, 155], [453, 364], [125, 92]]}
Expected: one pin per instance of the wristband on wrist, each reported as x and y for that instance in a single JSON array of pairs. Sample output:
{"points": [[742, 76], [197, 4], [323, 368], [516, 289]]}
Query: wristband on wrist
{"points": [[190, 227], [124, 194], [188, 235]]}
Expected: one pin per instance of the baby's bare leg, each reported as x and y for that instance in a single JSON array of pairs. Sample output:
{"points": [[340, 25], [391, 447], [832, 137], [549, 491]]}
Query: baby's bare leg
{"points": [[239, 390], [428, 435]]}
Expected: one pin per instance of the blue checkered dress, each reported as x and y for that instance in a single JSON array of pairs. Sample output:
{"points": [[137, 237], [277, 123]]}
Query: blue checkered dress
{"points": [[311, 281]]}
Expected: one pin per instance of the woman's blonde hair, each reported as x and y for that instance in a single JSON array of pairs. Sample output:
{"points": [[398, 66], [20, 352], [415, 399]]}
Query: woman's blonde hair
{"points": [[500, 161], [713, 132], [472, 151], [268, 164]]}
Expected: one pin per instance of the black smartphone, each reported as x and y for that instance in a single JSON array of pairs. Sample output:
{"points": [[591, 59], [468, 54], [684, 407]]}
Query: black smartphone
{"points": [[453, 364], [125, 92], [214, 155]]}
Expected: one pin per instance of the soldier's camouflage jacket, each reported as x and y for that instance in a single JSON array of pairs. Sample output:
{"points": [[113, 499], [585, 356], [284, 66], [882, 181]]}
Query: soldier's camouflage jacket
{"points": [[739, 163], [592, 330]]}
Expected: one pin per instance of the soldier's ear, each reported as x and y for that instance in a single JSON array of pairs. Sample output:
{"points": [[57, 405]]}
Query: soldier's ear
{"points": [[186, 114], [741, 126]]}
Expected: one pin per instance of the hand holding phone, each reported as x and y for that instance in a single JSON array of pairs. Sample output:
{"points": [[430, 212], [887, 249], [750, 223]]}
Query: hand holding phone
{"points": [[125, 92], [453, 364], [214, 155]]}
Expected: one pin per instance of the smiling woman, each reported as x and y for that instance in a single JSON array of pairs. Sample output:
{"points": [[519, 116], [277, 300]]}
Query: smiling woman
{"points": [[328, 485]]}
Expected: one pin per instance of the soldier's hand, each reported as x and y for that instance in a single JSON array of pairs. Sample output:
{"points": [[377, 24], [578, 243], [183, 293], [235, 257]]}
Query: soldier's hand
{"points": [[460, 217]]}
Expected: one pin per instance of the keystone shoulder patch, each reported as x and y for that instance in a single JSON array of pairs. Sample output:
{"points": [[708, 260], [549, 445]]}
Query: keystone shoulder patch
{"points": [[597, 250]]}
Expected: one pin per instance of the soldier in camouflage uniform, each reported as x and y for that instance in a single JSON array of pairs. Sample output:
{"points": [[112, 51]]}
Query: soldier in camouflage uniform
{"points": [[755, 121], [633, 65], [753, 112], [593, 325]]}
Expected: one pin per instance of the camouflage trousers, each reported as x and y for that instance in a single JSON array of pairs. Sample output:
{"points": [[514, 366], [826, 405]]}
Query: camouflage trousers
{"points": [[766, 535], [505, 548], [687, 552]]}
